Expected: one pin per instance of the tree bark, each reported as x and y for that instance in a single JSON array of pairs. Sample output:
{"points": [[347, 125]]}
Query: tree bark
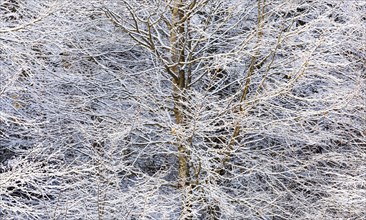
{"points": [[177, 57]]}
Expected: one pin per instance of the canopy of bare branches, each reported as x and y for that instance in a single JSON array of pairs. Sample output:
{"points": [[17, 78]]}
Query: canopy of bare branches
{"points": [[183, 109]]}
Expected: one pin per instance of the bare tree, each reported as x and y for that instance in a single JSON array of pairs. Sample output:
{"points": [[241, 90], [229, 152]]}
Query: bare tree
{"points": [[281, 84]]}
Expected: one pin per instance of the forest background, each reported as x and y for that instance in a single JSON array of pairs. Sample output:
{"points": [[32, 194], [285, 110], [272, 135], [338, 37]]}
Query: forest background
{"points": [[183, 109]]}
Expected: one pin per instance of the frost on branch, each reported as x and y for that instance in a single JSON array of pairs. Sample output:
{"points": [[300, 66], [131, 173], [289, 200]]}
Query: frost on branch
{"points": [[182, 109]]}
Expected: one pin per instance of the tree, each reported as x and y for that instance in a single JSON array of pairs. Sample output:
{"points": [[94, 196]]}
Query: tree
{"points": [[183, 37]]}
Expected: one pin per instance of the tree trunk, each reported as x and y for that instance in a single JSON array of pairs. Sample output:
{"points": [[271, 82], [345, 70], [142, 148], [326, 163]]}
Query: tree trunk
{"points": [[177, 41], [177, 56]]}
